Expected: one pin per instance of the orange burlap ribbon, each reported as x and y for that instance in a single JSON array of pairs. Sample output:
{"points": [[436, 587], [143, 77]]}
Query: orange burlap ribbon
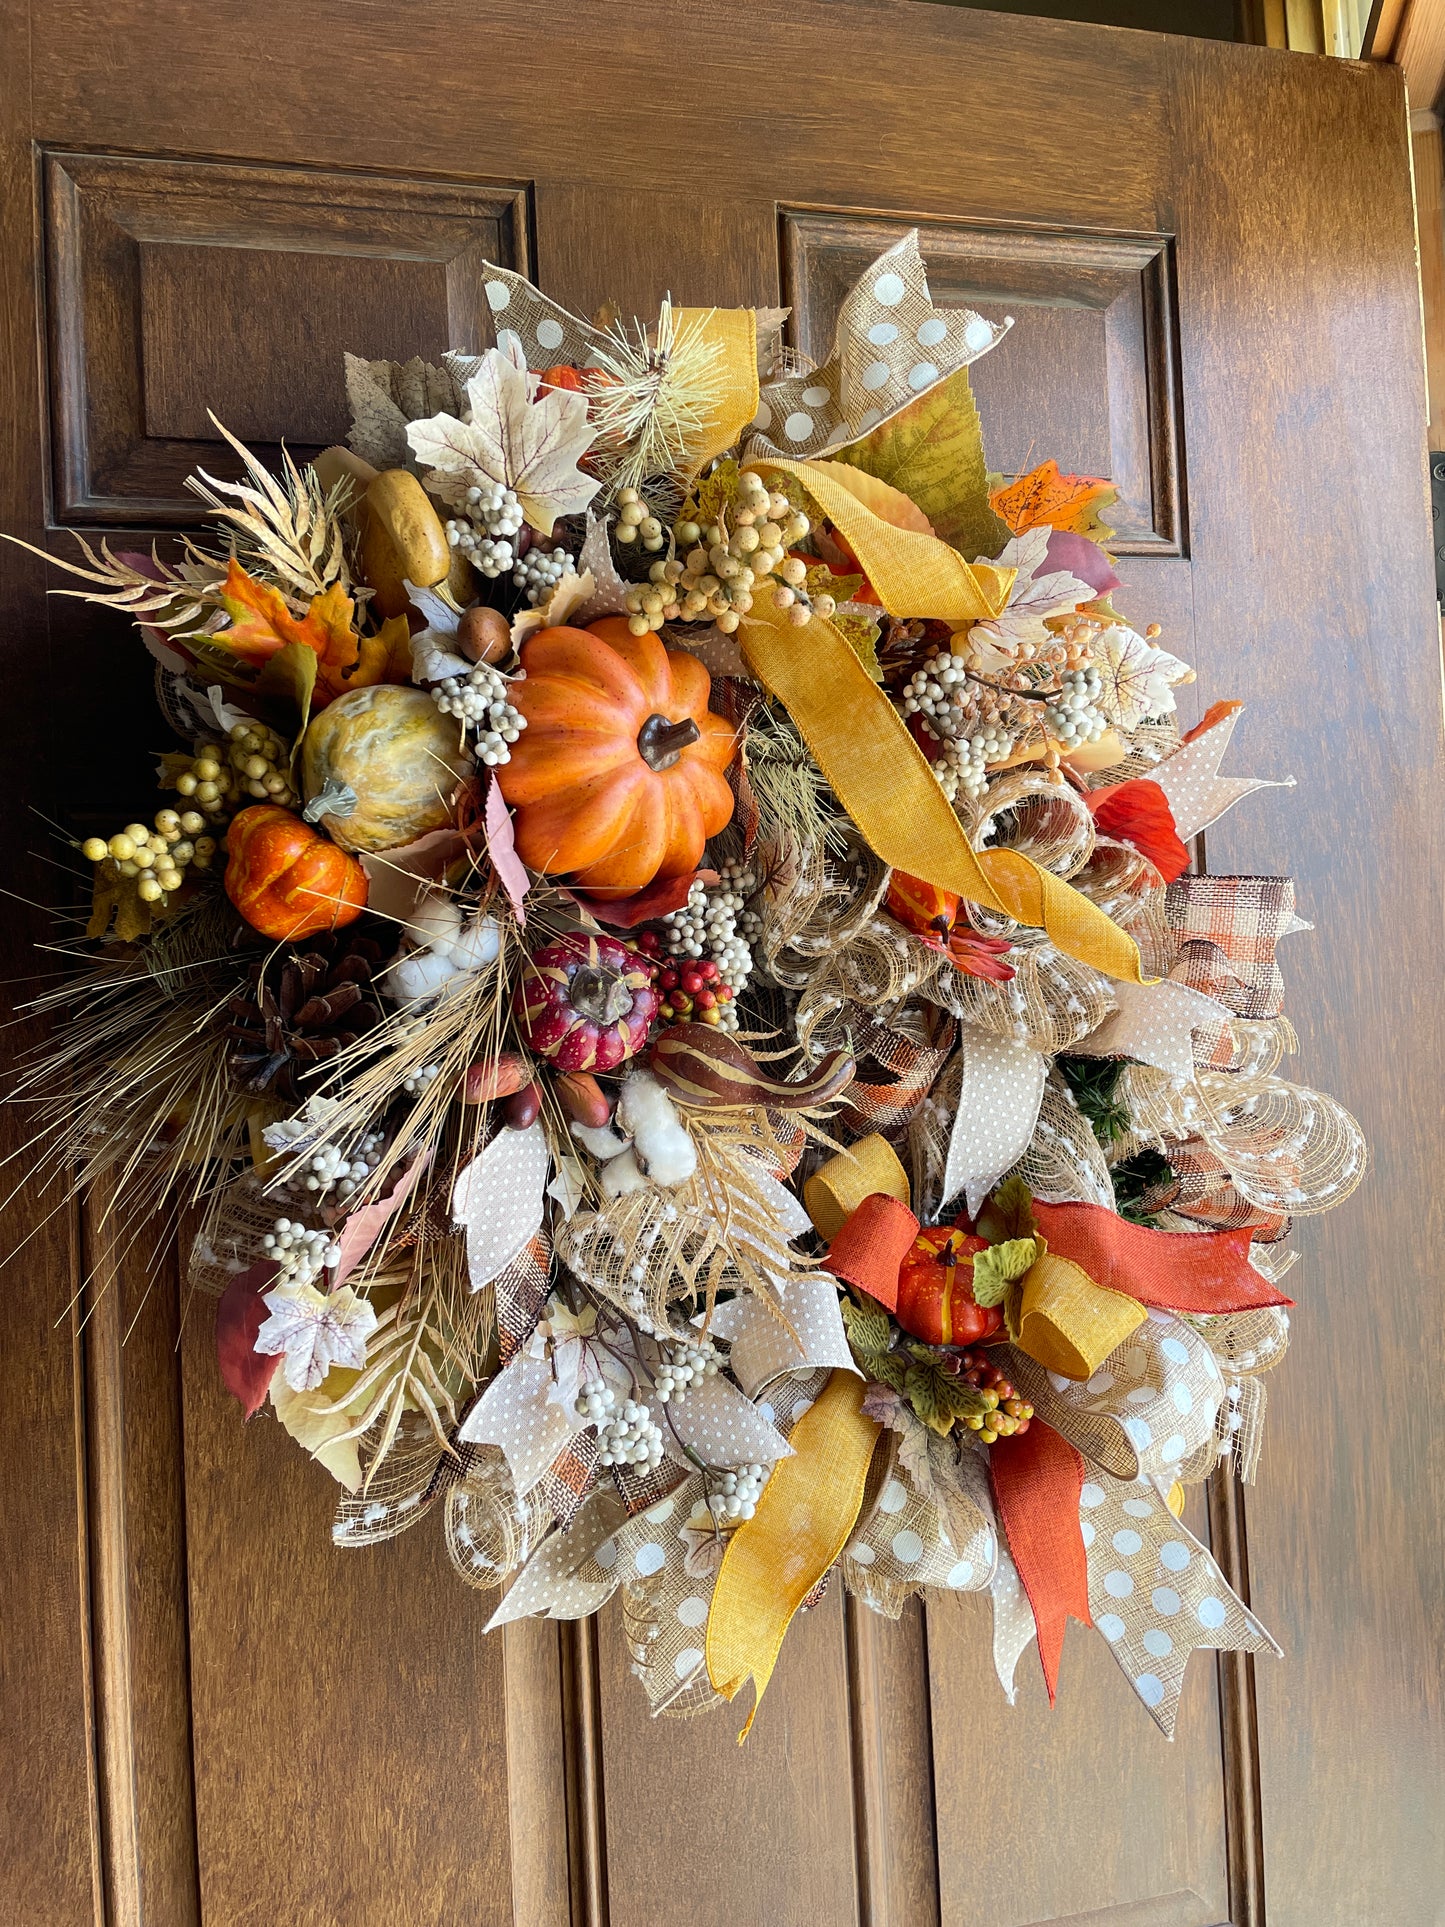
{"points": [[863, 746], [870, 1248], [1194, 1271], [804, 1518], [1037, 1478]]}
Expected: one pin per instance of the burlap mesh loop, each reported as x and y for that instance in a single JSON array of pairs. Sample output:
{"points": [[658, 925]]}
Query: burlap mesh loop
{"points": [[1035, 812]]}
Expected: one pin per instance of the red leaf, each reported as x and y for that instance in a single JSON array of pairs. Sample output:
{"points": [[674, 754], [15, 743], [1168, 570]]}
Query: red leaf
{"points": [[1138, 813], [245, 1372], [361, 1228], [669, 893], [502, 849]]}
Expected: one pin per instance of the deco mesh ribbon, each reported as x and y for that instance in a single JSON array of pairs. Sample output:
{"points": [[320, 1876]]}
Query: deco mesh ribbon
{"points": [[675, 972]]}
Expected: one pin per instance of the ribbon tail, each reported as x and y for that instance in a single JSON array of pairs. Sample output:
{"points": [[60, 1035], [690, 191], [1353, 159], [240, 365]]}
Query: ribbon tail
{"points": [[803, 1521], [884, 783], [730, 336], [1037, 1478]]}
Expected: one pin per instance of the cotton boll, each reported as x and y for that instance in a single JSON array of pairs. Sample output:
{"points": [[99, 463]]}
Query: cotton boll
{"points": [[600, 1140], [421, 974], [435, 921], [622, 1174], [476, 946], [661, 1146]]}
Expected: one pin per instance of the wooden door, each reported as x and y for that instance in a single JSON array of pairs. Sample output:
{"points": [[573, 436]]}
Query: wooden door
{"points": [[212, 1716]]}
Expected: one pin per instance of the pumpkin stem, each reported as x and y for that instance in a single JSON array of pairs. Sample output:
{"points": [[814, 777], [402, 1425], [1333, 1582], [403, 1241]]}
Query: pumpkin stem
{"points": [[600, 995], [660, 742]]}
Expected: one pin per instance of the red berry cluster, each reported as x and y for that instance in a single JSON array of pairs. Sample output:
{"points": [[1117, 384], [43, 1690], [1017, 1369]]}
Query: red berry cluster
{"points": [[690, 987], [1007, 1414]]}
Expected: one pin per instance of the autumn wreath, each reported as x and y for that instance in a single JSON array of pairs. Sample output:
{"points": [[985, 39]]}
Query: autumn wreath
{"points": [[673, 984]]}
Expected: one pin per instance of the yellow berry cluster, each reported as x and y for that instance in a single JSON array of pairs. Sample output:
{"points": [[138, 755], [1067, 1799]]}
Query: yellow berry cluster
{"points": [[254, 763], [157, 859], [637, 523], [727, 562]]}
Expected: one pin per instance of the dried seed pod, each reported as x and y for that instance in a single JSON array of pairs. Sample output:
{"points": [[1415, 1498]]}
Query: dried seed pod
{"points": [[521, 1108]]}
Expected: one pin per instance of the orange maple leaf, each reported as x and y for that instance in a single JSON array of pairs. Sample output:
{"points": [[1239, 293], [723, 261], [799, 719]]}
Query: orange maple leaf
{"points": [[1044, 497], [261, 623]]}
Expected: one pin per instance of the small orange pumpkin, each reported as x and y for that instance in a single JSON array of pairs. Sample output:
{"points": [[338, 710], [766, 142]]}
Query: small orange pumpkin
{"points": [[935, 1289], [618, 778], [288, 880]]}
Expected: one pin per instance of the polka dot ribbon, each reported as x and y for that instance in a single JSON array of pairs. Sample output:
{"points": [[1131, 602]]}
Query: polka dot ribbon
{"points": [[1155, 1594]]}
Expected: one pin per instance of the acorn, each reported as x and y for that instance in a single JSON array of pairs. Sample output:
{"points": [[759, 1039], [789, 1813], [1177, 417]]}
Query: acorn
{"points": [[483, 634]]}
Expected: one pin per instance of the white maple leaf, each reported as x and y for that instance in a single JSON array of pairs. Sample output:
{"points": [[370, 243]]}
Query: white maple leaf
{"points": [[315, 1330], [581, 1354], [1138, 678], [529, 442], [996, 644]]}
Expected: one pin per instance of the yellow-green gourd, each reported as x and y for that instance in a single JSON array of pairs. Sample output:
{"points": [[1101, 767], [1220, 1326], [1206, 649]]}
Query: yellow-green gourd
{"points": [[380, 767], [402, 540]]}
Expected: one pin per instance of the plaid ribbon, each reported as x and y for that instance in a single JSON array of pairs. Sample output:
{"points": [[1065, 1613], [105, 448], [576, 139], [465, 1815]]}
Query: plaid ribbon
{"points": [[569, 1478], [1206, 1192], [1226, 929], [915, 1062], [521, 1296], [641, 1489]]}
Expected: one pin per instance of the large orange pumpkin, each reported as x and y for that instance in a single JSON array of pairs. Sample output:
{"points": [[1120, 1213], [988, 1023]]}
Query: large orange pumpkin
{"points": [[618, 778], [286, 879]]}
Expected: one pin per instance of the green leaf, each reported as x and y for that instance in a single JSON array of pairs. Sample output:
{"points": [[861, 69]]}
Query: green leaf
{"points": [[712, 495], [889, 1368], [285, 686], [932, 451], [1008, 1213], [1094, 1082], [964, 1401], [867, 1326], [820, 580], [861, 635], [920, 1389], [996, 1269]]}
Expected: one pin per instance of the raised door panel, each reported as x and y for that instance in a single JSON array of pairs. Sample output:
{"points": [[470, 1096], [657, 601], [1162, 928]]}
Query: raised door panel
{"points": [[1087, 375], [179, 290]]}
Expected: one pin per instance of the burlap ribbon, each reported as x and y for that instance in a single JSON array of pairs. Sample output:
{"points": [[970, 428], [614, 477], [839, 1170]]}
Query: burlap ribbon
{"points": [[839, 1186], [549, 334], [883, 781], [803, 1520], [1069, 1323], [1037, 1477], [1155, 1593]]}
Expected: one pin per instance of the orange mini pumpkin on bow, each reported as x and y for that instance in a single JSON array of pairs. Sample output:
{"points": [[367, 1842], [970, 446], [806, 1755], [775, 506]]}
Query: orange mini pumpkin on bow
{"points": [[935, 1289], [618, 778], [288, 880]]}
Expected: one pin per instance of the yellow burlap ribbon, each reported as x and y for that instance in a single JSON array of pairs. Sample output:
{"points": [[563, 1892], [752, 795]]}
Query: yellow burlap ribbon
{"points": [[837, 1188], [913, 574], [1067, 1322], [735, 400], [803, 1520], [863, 746]]}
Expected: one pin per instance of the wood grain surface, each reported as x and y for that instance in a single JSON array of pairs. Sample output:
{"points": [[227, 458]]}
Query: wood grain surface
{"points": [[223, 1719]]}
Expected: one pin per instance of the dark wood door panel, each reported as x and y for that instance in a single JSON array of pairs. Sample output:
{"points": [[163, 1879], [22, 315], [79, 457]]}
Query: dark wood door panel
{"points": [[1079, 1811], [1087, 374], [178, 289], [1304, 419]]}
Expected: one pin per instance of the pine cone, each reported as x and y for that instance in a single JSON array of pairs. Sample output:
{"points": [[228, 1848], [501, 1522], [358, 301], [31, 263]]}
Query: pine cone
{"points": [[299, 1010]]}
